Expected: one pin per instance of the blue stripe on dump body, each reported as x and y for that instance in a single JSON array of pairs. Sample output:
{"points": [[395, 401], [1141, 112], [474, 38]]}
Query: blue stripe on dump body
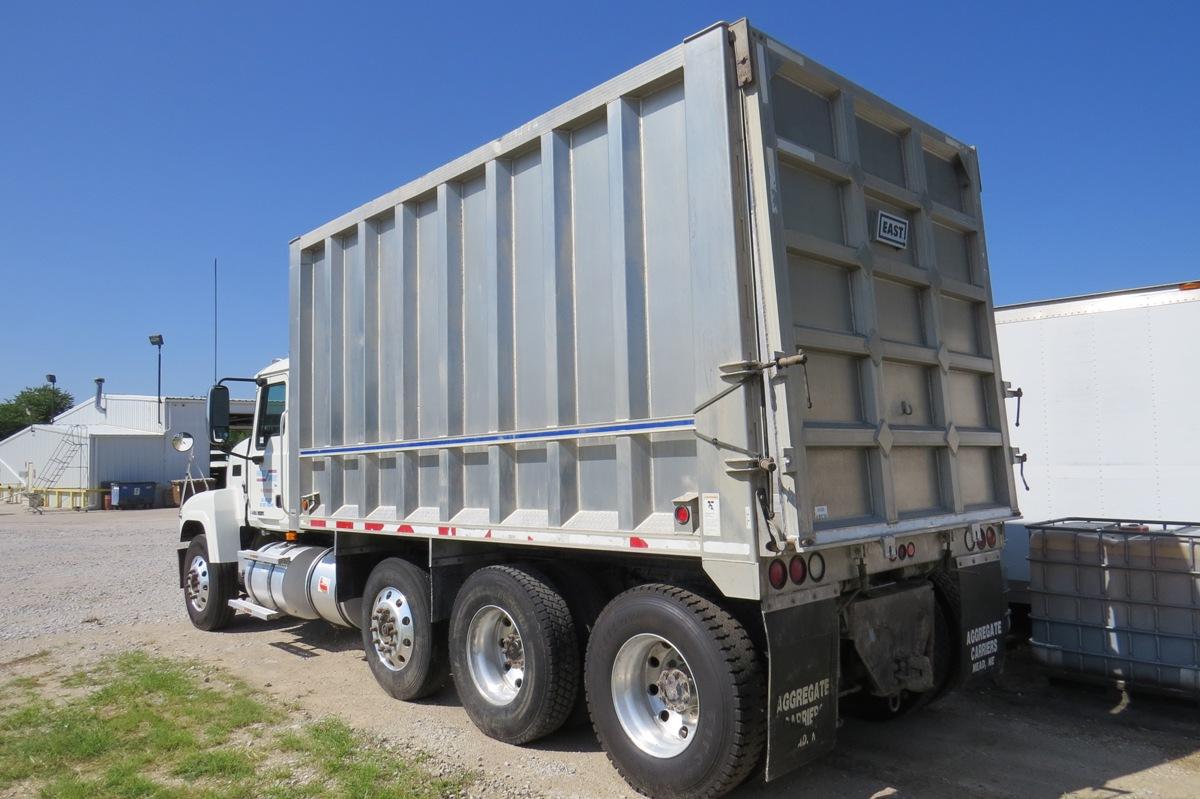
{"points": [[579, 431]]}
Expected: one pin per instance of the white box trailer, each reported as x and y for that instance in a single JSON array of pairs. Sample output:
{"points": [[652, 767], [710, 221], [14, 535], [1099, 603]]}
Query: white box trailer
{"points": [[1108, 413], [682, 396]]}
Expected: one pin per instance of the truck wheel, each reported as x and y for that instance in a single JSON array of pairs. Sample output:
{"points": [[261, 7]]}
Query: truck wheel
{"points": [[207, 587], [514, 653], [882, 708], [405, 649], [676, 693]]}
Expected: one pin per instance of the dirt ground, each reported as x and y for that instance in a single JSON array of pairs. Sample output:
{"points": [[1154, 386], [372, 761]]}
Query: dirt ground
{"points": [[80, 585]]}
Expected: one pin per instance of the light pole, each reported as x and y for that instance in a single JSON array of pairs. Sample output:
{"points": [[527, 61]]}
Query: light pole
{"points": [[157, 341]]}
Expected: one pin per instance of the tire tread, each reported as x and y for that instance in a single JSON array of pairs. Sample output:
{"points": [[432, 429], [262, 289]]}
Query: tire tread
{"points": [[555, 618]]}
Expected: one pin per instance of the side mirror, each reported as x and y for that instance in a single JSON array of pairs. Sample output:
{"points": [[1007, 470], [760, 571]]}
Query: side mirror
{"points": [[218, 414]]}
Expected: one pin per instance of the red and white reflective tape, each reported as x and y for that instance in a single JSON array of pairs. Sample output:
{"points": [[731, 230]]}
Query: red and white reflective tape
{"points": [[508, 535]]}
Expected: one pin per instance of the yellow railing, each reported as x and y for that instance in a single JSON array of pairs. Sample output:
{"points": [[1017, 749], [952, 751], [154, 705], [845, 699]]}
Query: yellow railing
{"points": [[57, 498]]}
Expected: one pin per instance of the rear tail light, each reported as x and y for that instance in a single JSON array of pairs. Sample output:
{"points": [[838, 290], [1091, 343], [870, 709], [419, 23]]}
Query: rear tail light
{"points": [[911, 548], [816, 566], [682, 514], [797, 569], [777, 574], [902, 552], [991, 537]]}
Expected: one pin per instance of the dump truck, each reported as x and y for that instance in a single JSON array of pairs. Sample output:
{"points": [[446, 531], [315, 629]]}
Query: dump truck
{"points": [[677, 408]]}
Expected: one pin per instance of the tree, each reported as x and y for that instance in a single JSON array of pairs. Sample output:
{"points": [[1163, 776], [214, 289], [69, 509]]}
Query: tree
{"points": [[33, 405]]}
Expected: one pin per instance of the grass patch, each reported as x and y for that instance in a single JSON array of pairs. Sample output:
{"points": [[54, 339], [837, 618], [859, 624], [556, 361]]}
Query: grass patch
{"points": [[152, 728]]}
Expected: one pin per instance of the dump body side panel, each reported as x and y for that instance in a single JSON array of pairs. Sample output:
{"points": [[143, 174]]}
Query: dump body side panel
{"points": [[512, 347]]}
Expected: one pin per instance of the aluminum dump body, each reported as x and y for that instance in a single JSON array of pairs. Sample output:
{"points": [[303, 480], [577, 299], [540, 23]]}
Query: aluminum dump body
{"points": [[515, 345]]}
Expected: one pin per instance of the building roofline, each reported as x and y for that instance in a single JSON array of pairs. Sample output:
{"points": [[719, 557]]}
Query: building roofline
{"points": [[1189, 285]]}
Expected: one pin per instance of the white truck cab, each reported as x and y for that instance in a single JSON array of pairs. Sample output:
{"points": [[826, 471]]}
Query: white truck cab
{"points": [[254, 495]]}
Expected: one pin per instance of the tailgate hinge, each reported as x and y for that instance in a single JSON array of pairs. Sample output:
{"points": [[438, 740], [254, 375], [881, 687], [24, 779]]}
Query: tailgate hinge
{"points": [[739, 37]]}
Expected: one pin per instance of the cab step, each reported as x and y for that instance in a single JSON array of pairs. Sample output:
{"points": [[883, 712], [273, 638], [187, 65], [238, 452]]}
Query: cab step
{"points": [[257, 611]]}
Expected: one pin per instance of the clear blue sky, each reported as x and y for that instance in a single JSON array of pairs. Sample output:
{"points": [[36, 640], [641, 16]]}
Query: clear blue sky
{"points": [[140, 140]]}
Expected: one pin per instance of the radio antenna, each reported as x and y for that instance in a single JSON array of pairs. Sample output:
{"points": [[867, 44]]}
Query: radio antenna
{"points": [[214, 321]]}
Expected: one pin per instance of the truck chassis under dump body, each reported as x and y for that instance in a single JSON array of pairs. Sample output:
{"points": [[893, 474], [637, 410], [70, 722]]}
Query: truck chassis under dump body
{"points": [[682, 397]]}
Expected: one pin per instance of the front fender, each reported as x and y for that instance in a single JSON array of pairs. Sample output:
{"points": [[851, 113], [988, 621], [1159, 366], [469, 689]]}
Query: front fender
{"points": [[218, 512]]}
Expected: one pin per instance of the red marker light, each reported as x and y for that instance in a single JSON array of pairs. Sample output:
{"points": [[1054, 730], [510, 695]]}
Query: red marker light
{"points": [[797, 570], [777, 574], [682, 514]]}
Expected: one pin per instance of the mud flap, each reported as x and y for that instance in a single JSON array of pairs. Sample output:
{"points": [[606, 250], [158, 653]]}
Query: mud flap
{"points": [[802, 695], [982, 619]]}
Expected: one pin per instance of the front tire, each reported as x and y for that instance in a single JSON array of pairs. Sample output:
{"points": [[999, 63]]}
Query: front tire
{"points": [[207, 587], [676, 693], [405, 649], [514, 651]]}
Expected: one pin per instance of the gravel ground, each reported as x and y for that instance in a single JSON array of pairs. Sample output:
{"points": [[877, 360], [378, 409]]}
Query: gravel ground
{"points": [[79, 585], [66, 571]]}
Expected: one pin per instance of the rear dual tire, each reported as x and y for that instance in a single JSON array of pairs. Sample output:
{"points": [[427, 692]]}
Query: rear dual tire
{"points": [[674, 686], [676, 693], [514, 653]]}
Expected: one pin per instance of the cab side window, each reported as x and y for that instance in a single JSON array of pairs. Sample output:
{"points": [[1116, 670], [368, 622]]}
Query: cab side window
{"points": [[271, 404]]}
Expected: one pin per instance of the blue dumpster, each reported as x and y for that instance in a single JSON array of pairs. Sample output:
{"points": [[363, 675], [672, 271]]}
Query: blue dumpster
{"points": [[126, 495]]}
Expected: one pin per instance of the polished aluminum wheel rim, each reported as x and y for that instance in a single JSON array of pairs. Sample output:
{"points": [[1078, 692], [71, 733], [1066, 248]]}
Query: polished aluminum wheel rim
{"points": [[196, 583], [655, 695], [495, 655], [392, 630]]}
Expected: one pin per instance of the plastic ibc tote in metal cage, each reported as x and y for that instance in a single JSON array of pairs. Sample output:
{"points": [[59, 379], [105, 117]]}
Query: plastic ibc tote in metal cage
{"points": [[1117, 599]]}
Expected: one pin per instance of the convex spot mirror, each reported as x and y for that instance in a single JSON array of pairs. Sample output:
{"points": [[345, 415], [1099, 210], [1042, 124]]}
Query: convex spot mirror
{"points": [[183, 442], [218, 414]]}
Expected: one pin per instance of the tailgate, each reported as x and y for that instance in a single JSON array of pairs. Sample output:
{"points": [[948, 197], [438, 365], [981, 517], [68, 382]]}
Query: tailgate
{"points": [[871, 259]]}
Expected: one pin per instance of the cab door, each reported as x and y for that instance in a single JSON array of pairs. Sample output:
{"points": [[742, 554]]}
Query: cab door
{"points": [[268, 460]]}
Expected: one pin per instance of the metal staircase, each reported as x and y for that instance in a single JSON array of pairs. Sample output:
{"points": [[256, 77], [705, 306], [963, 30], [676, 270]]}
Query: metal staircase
{"points": [[62, 457]]}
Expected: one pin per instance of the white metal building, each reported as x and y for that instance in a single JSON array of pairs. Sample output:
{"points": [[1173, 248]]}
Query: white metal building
{"points": [[113, 437]]}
